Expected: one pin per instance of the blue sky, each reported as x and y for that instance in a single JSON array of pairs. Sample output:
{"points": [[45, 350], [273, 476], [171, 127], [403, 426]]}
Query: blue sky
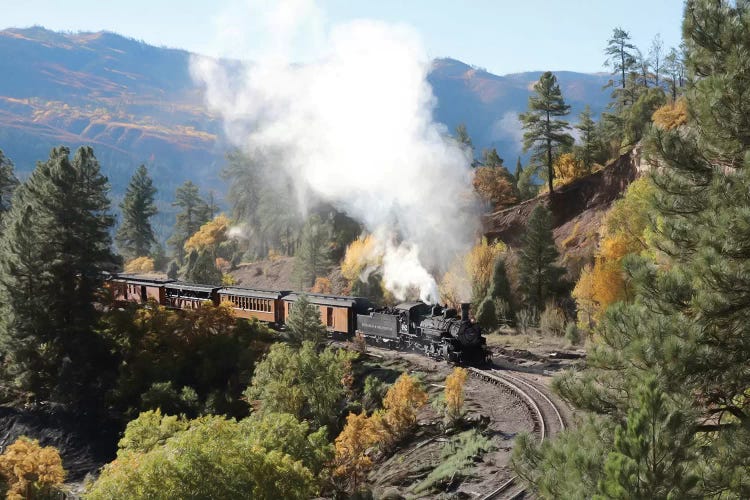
{"points": [[503, 36]]}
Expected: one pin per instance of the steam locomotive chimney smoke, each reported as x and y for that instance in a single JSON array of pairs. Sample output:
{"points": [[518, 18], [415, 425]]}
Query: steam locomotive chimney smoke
{"points": [[465, 311], [352, 125]]}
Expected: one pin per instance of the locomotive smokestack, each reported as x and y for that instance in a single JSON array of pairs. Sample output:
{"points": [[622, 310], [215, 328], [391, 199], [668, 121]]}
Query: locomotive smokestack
{"points": [[465, 311]]}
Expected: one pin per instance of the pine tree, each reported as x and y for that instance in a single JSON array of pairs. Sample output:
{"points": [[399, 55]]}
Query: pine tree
{"points": [[136, 236], [519, 170], [500, 288], [491, 159], [193, 215], [674, 68], [656, 58], [8, 183], [544, 134], [652, 451], [620, 55], [201, 268], [304, 322], [313, 257], [462, 136], [538, 276], [590, 143], [52, 254]]}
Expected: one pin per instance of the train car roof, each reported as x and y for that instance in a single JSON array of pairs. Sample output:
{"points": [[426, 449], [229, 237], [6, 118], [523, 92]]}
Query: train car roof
{"points": [[142, 279], [329, 300], [194, 287], [252, 292]]}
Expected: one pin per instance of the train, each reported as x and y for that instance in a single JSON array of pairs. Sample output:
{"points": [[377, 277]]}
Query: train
{"points": [[433, 330]]}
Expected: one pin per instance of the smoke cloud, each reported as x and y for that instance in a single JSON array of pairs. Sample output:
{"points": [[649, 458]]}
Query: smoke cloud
{"points": [[354, 126]]}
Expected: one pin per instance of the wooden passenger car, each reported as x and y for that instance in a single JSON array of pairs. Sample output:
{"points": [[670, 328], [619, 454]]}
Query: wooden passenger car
{"points": [[338, 314], [249, 303], [138, 288], [181, 295]]}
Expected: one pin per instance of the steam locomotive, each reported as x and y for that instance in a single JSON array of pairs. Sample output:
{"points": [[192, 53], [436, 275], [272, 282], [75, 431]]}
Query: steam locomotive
{"points": [[435, 331]]}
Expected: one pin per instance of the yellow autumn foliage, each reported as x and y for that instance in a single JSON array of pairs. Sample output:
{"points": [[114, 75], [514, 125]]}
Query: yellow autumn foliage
{"points": [[454, 393], [360, 254], [625, 231], [140, 265], [567, 169], [472, 275], [401, 403], [495, 186], [351, 460], [671, 115], [31, 471], [322, 285], [210, 235]]}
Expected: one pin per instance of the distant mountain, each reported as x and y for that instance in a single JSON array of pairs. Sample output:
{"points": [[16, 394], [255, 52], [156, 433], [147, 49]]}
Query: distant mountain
{"points": [[489, 104], [136, 103]]}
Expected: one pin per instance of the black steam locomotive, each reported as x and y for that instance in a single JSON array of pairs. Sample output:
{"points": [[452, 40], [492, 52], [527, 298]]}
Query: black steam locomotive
{"points": [[435, 331]]}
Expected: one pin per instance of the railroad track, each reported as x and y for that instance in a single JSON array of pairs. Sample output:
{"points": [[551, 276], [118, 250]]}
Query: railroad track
{"points": [[547, 419]]}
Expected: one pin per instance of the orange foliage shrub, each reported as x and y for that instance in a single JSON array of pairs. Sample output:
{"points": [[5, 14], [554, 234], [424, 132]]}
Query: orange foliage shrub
{"points": [[358, 436], [671, 115], [401, 403], [30, 470], [454, 393], [495, 186], [473, 275], [210, 234], [567, 169], [625, 232], [322, 285], [140, 265], [360, 254]]}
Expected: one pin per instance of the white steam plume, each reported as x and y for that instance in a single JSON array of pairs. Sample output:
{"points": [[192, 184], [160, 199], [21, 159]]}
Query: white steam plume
{"points": [[354, 127]]}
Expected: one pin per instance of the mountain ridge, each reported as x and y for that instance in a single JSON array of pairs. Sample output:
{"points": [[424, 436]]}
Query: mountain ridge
{"points": [[137, 103]]}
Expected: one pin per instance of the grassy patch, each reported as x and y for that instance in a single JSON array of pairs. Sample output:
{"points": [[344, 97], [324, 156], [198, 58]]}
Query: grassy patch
{"points": [[458, 457]]}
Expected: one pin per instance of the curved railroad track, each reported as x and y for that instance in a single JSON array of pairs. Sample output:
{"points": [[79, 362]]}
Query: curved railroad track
{"points": [[548, 420]]}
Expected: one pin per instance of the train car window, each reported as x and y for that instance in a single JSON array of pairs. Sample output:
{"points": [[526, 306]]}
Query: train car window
{"points": [[329, 316]]}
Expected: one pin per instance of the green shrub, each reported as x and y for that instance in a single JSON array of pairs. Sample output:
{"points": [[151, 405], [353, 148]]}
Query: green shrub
{"points": [[552, 320], [526, 319], [572, 333], [486, 315], [458, 456]]}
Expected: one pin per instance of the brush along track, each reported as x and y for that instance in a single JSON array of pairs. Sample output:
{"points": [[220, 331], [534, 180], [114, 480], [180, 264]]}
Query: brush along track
{"points": [[547, 418]]}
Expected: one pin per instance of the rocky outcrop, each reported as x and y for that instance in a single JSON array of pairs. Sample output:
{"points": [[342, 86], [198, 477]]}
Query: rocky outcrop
{"points": [[577, 210]]}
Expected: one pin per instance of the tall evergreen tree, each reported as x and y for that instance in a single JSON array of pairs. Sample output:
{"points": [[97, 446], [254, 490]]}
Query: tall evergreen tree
{"points": [[136, 236], [313, 256], [201, 268], [590, 143], [621, 56], [674, 69], [193, 215], [52, 254], [8, 183], [519, 170], [656, 58], [462, 136], [304, 322], [538, 276], [544, 134], [491, 159]]}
